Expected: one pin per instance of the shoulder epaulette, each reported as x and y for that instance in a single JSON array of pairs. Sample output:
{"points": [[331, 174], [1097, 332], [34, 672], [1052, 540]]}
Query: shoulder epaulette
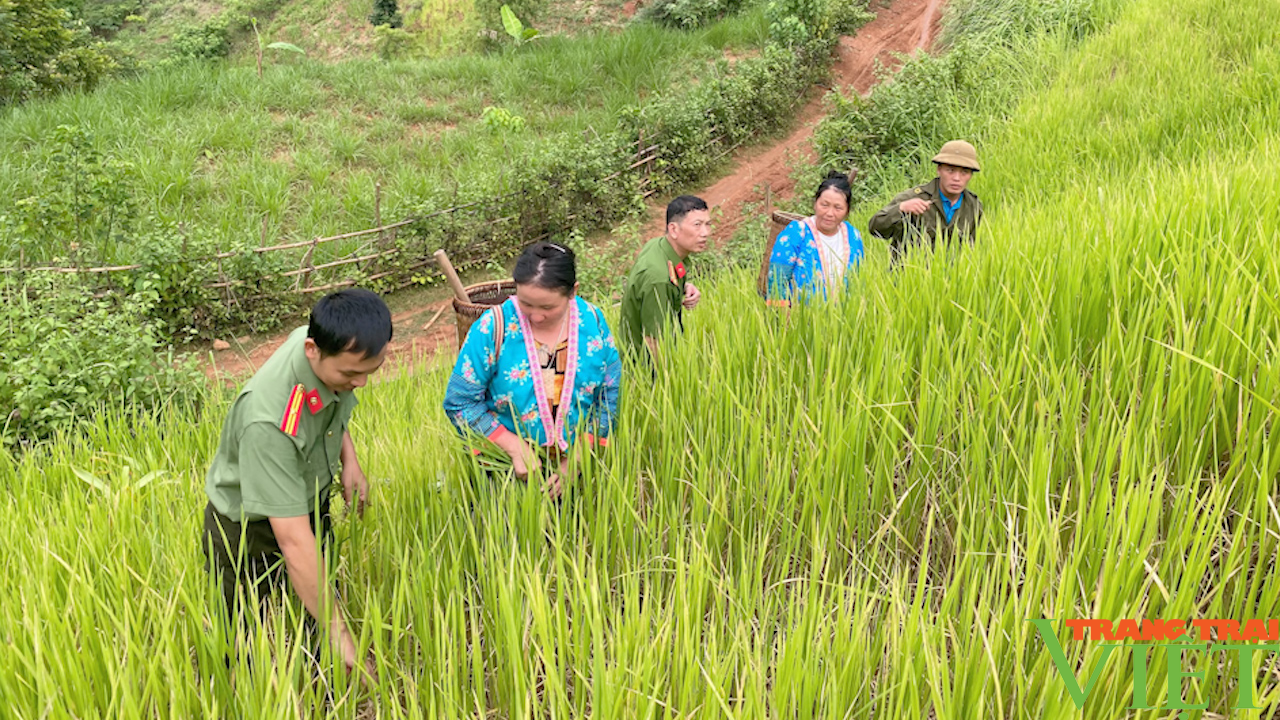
{"points": [[293, 411]]}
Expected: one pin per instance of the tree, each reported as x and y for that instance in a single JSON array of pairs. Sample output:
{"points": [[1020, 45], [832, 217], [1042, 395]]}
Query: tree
{"points": [[43, 50], [385, 12]]}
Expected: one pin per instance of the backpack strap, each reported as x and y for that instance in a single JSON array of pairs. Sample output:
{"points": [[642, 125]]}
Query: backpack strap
{"points": [[500, 330]]}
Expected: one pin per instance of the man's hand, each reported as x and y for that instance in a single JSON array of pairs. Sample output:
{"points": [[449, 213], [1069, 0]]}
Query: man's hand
{"points": [[691, 296], [345, 646], [914, 206], [355, 487], [307, 577]]}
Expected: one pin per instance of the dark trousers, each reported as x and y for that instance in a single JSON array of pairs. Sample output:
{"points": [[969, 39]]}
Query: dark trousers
{"points": [[245, 556]]}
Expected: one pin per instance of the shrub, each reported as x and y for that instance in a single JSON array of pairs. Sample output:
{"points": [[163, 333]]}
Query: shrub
{"points": [[102, 16], [210, 40], [932, 99], [689, 13], [69, 352], [903, 117], [385, 12], [43, 50], [392, 43], [85, 200]]}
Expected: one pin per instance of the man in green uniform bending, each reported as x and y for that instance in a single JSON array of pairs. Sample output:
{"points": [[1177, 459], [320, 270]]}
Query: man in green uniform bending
{"points": [[942, 206], [284, 440], [657, 291]]}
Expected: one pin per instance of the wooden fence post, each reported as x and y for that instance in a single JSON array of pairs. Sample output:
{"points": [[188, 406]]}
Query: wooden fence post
{"points": [[379, 241], [644, 169], [226, 286], [308, 266]]}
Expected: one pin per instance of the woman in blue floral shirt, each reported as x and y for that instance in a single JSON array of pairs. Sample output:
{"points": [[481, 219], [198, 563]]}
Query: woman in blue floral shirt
{"points": [[816, 253], [555, 377]]}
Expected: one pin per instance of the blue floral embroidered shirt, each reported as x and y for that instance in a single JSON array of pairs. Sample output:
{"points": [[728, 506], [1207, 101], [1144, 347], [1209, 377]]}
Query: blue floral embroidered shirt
{"points": [[487, 393], [795, 267]]}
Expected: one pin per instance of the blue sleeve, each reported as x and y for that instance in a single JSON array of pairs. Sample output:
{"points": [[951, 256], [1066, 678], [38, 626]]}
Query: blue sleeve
{"points": [[465, 400], [781, 263], [611, 386], [855, 244]]}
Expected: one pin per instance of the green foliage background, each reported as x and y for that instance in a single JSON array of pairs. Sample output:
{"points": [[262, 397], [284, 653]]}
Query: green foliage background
{"points": [[88, 206], [847, 512], [43, 51]]}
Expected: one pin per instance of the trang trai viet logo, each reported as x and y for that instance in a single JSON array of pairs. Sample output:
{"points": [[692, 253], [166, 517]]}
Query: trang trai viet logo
{"points": [[1185, 645]]}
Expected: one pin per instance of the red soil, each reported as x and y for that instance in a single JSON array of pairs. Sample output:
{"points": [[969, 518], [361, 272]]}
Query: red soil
{"points": [[904, 26]]}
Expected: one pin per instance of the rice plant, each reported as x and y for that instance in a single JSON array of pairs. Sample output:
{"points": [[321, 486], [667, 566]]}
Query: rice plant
{"points": [[850, 511]]}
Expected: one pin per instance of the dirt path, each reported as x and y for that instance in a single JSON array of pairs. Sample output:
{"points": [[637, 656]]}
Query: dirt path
{"points": [[422, 328], [424, 322], [904, 26]]}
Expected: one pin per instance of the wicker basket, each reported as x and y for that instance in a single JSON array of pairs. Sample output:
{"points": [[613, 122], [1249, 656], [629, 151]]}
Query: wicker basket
{"points": [[483, 296], [780, 219]]}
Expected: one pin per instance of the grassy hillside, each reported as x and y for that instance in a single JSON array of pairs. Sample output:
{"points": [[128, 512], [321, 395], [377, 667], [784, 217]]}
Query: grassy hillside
{"points": [[848, 513], [298, 151], [326, 30]]}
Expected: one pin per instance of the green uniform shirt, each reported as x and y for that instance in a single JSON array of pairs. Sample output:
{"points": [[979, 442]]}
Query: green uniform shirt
{"points": [[654, 296], [904, 230], [282, 440]]}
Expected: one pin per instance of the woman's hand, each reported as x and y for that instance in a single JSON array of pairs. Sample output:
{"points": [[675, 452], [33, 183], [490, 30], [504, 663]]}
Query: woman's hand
{"points": [[553, 487], [525, 460], [524, 457], [555, 483]]}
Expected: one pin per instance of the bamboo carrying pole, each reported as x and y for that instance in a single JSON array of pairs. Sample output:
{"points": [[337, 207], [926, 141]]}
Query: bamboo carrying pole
{"points": [[452, 276]]}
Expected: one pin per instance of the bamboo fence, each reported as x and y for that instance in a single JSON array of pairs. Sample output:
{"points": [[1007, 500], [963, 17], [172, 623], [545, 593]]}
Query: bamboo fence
{"points": [[370, 258]]}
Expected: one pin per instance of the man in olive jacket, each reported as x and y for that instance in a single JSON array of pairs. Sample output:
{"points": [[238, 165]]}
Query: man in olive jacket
{"points": [[943, 206]]}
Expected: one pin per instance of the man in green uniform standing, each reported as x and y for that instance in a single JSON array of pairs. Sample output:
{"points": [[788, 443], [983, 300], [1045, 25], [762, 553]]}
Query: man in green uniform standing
{"points": [[657, 290], [285, 438], [942, 206]]}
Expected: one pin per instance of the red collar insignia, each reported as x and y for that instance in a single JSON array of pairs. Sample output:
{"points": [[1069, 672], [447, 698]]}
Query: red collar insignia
{"points": [[314, 403], [680, 271]]}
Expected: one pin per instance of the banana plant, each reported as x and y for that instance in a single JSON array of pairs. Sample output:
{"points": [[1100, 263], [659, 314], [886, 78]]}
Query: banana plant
{"points": [[278, 46], [516, 29]]}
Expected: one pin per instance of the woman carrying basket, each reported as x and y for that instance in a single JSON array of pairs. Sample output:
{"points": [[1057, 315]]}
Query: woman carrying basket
{"points": [[814, 254], [540, 372]]}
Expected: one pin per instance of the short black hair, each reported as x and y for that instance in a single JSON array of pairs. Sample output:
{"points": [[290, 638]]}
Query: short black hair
{"points": [[550, 266], [354, 320], [839, 181], [683, 205]]}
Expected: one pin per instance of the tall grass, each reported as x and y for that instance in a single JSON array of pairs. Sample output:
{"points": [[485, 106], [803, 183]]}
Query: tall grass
{"points": [[219, 149], [847, 513], [990, 55]]}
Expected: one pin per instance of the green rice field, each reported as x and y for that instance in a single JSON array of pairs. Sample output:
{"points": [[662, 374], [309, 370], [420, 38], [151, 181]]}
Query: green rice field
{"points": [[850, 512]]}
